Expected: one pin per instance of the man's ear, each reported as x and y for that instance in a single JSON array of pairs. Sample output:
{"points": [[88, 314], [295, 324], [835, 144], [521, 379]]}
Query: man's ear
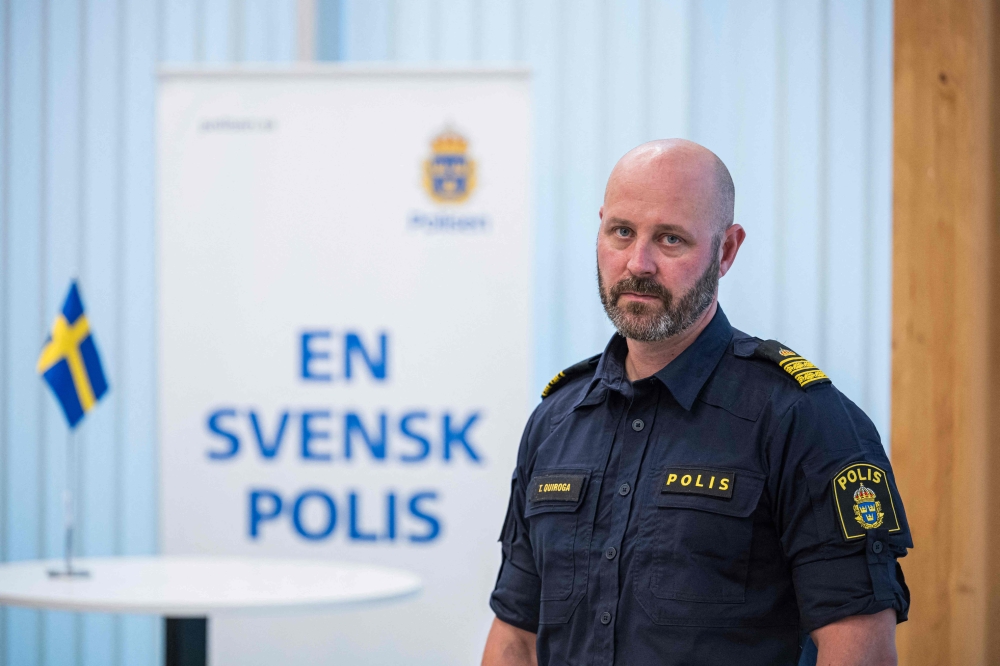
{"points": [[600, 213], [734, 238]]}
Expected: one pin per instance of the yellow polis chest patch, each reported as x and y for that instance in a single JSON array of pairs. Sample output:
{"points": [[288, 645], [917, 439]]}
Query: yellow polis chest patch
{"points": [[863, 499], [556, 487], [699, 481]]}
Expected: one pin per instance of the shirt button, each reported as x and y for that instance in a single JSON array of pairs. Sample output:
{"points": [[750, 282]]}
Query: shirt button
{"points": [[605, 617], [638, 425], [610, 553], [624, 489], [877, 547]]}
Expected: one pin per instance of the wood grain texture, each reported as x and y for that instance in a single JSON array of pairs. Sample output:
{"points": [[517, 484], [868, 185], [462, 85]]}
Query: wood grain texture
{"points": [[944, 426]]}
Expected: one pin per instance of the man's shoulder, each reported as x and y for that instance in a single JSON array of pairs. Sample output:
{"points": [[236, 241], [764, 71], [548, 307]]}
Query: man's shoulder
{"points": [[565, 390], [775, 361], [755, 372], [574, 374]]}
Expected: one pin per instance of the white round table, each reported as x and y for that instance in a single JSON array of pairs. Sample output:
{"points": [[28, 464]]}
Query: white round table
{"points": [[186, 590]]}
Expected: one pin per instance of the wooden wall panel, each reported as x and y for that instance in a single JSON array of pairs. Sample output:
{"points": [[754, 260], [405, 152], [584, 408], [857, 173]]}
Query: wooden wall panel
{"points": [[945, 324]]}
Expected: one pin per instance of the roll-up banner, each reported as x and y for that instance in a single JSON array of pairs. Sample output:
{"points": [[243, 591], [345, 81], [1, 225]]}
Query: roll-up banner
{"points": [[344, 261]]}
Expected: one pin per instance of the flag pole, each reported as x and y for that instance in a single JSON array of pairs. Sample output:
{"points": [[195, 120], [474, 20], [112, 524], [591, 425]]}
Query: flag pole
{"points": [[69, 513], [71, 366]]}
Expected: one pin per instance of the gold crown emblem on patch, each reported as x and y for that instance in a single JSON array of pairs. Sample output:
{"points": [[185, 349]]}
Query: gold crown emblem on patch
{"points": [[786, 352], [863, 494], [449, 143]]}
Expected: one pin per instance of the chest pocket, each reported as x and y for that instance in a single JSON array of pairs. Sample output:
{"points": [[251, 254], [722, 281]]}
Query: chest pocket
{"points": [[698, 545], [560, 530]]}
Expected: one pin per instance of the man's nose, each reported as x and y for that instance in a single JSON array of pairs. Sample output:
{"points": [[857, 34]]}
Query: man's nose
{"points": [[640, 261]]}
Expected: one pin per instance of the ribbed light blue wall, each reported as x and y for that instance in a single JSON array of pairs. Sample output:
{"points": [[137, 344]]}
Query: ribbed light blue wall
{"points": [[77, 87], [795, 96]]}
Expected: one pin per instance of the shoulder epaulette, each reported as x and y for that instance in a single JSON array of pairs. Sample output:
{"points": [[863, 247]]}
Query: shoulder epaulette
{"points": [[801, 370], [574, 370]]}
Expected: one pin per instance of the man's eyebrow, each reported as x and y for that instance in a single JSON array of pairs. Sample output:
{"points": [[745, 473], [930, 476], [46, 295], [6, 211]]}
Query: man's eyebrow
{"points": [[662, 228], [620, 220]]}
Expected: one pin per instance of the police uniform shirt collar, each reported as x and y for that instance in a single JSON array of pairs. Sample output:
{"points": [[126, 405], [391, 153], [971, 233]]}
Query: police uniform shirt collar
{"points": [[684, 377], [611, 367], [687, 374], [609, 373]]}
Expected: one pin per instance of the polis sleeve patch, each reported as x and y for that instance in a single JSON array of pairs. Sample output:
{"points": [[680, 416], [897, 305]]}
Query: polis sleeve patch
{"points": [[556, 487], [863, 500], [699, 481]]}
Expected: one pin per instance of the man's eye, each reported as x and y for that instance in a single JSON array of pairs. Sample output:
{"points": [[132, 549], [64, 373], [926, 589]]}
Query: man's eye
{"points": [[671, 239], [623, 232]]}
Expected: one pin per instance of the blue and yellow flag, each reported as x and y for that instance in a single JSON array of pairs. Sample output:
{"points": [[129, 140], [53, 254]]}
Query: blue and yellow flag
{"points": [[70, 362]]}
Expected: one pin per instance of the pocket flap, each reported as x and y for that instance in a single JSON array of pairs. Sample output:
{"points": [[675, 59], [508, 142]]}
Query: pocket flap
{"points": [[730, 492], [556, 490]]}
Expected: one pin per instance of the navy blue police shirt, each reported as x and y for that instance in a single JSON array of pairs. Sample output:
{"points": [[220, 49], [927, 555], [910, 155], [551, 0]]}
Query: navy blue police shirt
{"points": [[713, 513]]}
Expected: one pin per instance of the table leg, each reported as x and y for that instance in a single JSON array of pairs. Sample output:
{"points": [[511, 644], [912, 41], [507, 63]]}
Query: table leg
{"points": [[187, 641]]}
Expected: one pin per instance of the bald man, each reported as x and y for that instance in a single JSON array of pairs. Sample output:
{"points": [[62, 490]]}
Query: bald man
{"points": [[693, 495]]}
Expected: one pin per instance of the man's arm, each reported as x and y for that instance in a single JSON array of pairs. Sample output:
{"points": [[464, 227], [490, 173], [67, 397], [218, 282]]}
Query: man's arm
{"points": [[509, 646], [859, 640]]}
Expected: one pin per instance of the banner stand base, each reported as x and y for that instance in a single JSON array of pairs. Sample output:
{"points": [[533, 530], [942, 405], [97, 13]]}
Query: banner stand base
{"points": [[68, 573], [186, 641]]}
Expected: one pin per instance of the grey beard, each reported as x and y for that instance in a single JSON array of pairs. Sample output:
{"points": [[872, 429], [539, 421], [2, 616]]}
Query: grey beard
{"points": [[638, 321]]}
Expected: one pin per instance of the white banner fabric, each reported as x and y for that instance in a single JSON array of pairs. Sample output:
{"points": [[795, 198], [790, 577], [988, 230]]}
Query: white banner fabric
{"points": [[343, 333]]}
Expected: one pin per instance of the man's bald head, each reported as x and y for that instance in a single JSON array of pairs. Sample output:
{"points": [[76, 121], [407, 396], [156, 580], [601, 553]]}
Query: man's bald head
{"points": [[672, 164], [666, 238]]}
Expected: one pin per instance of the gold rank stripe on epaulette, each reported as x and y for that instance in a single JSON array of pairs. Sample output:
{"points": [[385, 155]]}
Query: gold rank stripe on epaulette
{"points": [[552, 383], [572, 371], [801, 370]]}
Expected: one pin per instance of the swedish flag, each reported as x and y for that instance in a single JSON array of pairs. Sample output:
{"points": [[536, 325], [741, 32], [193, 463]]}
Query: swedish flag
{"points": [[70, 362]]}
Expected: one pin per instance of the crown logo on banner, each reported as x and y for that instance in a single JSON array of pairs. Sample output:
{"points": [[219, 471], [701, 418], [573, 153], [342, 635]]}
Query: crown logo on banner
{"points": [[449, 143], [449, 173]]}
